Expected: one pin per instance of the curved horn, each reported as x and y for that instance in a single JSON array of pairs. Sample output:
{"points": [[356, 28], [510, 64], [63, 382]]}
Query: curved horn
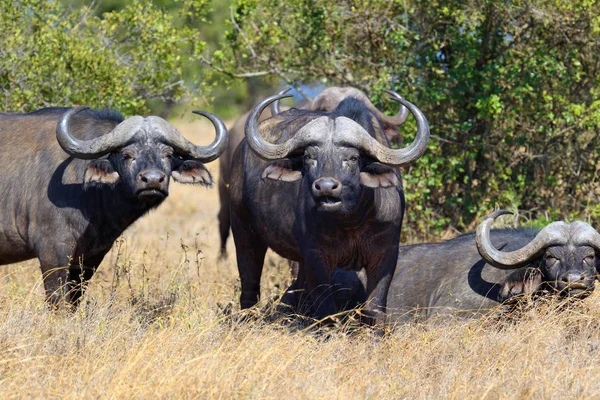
{"points": [[255, 140], [585, 235], [551, 235], [331, 97], [399, 157], [170, 135], [90, 149], [354, 135], [397, 119], [275, 109]]}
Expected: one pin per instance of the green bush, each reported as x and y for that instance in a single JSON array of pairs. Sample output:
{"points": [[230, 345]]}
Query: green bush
{"points": [[54, 55], [510, 89]]}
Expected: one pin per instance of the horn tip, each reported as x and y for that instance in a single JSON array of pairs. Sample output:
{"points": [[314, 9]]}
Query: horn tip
{"points": [[498, 213], [393, 94]]}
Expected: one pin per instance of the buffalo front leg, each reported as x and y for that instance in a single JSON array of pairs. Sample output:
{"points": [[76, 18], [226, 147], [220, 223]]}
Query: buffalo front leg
{"points": [[318, 285], [295, 295], [250, 252], [379, 278], [65, 282], [224, 218], [79, 275], [56, 277]]}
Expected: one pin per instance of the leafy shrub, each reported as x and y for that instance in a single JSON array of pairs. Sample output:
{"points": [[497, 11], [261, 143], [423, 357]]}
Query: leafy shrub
{"points": [[510, 90], [55, 55]]}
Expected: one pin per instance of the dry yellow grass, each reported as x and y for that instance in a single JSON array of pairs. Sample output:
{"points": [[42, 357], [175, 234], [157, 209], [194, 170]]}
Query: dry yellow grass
{"points": [[152, 326]]}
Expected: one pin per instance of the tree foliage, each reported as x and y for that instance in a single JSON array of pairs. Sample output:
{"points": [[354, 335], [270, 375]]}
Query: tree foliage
{"points": [[510, 89], [124, 59]]}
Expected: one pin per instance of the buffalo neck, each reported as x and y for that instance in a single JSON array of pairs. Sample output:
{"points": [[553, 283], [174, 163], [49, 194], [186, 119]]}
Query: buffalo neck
{"points": [[109, 206]]}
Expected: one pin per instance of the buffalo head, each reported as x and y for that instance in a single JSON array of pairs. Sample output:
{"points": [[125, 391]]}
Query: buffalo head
{"points": [[336, 154], [142, 154], [565, 254], [331, 97]]}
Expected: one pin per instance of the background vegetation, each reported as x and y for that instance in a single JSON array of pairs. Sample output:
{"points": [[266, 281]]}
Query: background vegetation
{"points": [[510, 88]]}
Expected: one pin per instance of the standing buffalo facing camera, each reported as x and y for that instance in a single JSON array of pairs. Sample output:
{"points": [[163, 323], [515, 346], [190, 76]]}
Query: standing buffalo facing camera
{"points": [[327, 100], [74, 179], [475, 273], [323, 189]]}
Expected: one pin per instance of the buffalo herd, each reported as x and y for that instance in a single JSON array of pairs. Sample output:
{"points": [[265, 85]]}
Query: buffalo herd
{"points": [[320, 184]]}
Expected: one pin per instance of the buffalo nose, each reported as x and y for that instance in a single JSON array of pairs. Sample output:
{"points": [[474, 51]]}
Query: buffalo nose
{"points": [[572, 277], [152, 177], [327, 187]]}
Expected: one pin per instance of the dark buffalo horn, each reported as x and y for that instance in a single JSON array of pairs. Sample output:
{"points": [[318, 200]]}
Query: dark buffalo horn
{"points": [[218, 146], [552, 235], [255, 140], [404, 156], [171, 136], [397, 119], [90, 149], [331, 97], [275, 109], [585, 235], [348, 132]]}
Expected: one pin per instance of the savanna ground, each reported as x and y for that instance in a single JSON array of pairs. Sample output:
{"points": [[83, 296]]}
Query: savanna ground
{"points": [[161, 320]]}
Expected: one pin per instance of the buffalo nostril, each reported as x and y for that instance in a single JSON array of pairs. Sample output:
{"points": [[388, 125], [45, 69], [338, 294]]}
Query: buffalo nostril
{"points": [[327, 187], [152, 176], [572, 277]]}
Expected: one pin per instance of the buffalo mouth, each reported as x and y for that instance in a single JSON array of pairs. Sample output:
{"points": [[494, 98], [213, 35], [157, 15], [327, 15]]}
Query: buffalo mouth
{"points": [[577, 290], [329, 203], [151, 195]]}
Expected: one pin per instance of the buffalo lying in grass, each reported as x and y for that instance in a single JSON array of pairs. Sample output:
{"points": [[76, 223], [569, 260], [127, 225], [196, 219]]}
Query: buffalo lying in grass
{"points": [[477, 272]]}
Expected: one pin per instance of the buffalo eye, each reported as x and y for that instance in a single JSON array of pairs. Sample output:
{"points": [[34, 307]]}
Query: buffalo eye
{"points": [[309, 159], [590, 259], [127, 156], [551, 259], [353, 159]]}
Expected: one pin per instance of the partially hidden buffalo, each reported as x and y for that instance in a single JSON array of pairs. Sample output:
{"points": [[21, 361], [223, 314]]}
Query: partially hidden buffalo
{"points": [[321, 188], [74, 179], [327, 100], [476, 272]]}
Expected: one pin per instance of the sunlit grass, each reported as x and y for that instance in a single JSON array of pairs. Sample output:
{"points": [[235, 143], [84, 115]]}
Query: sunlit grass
{"points": [[161, 320]]}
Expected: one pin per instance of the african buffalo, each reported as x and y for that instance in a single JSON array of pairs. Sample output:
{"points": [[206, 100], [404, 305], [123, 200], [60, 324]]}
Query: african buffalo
{"points": [[321, 188], [74, 179], [327, 100], [452, 277]]}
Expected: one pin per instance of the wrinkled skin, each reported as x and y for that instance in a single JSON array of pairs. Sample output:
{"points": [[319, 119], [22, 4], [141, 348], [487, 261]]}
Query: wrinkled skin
{"points": [[327, 100], [324, 207], [435, 279], [67, 212]]}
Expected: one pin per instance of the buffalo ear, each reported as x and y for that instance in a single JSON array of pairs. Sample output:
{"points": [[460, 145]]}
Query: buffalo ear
{"points": [[519, 284], [100, 171], [280, 172], [377, 175], [192, 172]]}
